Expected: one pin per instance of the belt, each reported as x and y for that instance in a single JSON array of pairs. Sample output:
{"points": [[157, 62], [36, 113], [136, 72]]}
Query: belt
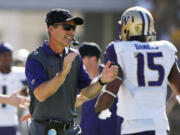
{"points": [[59, 124]]}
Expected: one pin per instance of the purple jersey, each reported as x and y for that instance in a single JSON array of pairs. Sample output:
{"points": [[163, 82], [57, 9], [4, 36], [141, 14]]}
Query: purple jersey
{"points": [[110, 54], [92, 125]]}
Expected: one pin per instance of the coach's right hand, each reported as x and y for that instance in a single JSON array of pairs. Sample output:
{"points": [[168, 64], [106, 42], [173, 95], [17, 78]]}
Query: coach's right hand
{"points": [[68, 59]]}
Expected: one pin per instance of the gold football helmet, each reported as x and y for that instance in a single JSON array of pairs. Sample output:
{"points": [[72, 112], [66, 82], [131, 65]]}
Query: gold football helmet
{"points": [[137, 22]]}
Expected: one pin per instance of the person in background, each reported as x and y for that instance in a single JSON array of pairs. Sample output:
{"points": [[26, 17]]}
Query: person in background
{"points": [[92, 123], [12, 81], [19, 60], [19, 57], [55, 72], [146, 67]]}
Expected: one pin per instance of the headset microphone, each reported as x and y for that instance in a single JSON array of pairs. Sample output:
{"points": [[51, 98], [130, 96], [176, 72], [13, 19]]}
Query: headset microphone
{"points": [[75, 42]]}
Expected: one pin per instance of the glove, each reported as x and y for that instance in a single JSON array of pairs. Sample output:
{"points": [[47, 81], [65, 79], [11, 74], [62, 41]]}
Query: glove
{"points": [[104, 114]]}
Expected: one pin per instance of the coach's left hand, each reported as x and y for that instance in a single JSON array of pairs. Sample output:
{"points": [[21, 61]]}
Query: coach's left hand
{"points": [[109, 72]]}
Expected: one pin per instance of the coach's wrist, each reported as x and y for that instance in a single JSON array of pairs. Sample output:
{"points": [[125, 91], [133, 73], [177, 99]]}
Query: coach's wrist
{"points": [[101, 82]]}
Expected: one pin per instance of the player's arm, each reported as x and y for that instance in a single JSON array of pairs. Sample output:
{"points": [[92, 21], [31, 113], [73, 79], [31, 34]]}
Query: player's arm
{"points": [[15, 99], [107, 96], [170, 103], [174, 80], [109, 73], [4, 99]]}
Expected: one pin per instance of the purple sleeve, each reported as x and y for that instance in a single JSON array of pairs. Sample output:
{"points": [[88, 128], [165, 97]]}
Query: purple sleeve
{"points": [[35, 73], [110, 54], [83, 77]]}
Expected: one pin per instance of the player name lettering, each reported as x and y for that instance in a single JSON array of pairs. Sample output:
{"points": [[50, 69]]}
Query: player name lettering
{"points": [[145, 46]]}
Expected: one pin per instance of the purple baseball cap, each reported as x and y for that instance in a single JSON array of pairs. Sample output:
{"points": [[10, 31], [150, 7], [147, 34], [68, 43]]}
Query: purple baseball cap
{"points": [[61, 15], [5, 47]]}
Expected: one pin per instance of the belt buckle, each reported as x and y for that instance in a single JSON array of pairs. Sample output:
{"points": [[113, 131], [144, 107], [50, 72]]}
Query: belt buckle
{"points": [[52, 132], [68, 125]]}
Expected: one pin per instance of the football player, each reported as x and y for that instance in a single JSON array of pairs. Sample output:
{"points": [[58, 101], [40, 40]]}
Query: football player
{"points": [[19, 60], [146, 67], [12, 79], [91, 123]]}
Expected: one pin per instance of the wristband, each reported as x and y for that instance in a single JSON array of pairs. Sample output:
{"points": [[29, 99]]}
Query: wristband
{"points": [[178, 98], [109, 92], [118, 78], [99, 80], [104, 114]]}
